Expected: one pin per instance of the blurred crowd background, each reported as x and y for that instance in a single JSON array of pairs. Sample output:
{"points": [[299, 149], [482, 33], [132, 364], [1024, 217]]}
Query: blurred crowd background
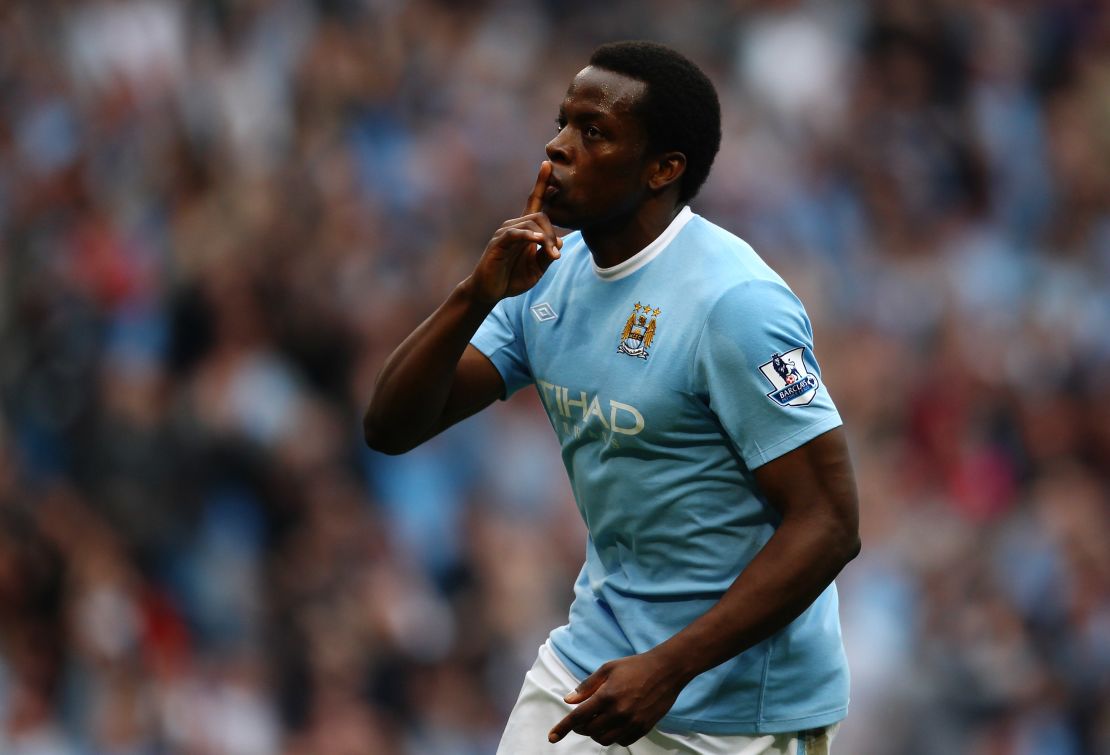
{"points": [[217, 218]]}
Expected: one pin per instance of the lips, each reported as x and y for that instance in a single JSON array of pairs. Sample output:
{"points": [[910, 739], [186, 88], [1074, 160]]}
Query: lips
{"points": [[554, 186]]}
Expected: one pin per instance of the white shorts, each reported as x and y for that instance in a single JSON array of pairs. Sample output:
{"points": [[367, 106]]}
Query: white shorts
{"points": [[540, 706]]}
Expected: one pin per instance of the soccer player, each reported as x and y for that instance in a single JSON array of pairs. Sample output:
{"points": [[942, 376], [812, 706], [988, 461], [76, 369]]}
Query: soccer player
{"points": [[704, 451]]}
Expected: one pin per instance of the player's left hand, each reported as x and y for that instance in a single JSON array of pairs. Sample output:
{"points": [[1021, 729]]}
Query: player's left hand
{"points": [[621, 701]]}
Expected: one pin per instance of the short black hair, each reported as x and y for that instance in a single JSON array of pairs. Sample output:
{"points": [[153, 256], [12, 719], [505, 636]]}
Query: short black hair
{"points": [[680, 108]]}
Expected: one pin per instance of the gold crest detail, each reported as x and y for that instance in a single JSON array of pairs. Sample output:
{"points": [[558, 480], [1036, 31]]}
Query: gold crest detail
{"points": [[639, 331]]}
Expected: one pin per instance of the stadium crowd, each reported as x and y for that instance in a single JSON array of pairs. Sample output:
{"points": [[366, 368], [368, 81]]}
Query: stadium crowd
{"points": [[218, 217]]}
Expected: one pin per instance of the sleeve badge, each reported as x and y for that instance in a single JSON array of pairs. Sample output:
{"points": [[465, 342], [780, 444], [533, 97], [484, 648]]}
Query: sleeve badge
{"points": [[787, 373]]}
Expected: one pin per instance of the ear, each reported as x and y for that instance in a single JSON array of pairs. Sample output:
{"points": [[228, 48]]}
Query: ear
{"points": [[667, 169]]}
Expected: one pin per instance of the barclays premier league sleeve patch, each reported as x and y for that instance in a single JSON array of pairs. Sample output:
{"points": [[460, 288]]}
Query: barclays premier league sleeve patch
{"points": [[793, 384]]}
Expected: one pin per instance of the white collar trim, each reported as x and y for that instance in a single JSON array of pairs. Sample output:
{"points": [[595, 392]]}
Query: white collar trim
{"points": [[648, 253]]}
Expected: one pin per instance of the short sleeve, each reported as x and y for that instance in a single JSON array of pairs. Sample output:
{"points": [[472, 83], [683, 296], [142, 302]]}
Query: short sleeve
{"points": [[755, 366], [501, 338]]}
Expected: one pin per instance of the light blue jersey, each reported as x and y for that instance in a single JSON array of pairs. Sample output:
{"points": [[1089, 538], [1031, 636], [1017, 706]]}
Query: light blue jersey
{"points": [[668, 379]]}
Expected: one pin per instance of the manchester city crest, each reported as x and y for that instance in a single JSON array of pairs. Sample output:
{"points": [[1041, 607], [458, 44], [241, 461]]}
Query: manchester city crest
{"points": [[639, 331], [793, 384]]}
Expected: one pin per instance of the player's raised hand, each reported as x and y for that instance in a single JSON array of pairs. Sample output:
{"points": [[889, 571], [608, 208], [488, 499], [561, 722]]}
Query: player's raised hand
{"points": [[520, 251], [535, 199], [621, 701]]}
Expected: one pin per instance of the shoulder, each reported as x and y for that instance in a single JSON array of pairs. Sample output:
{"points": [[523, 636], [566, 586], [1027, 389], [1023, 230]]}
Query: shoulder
{"points": [[759, 303], [731, 257], [723, 268], [741, 295]]}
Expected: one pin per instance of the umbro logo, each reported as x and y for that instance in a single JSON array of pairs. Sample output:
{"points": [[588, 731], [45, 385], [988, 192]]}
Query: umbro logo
{"points": [[543, 312]]}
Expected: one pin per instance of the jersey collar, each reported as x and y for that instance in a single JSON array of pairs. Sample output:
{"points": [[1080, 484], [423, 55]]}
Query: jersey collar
{"points": [[648, 253]]}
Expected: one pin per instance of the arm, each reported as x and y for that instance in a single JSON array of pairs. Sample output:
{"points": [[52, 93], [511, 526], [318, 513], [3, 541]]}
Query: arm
{"points": [[813, 487], [435, 378]]}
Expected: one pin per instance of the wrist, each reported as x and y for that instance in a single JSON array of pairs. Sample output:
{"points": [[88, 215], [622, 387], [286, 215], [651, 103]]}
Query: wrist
{"points": [[678, 663], [469, 293]]}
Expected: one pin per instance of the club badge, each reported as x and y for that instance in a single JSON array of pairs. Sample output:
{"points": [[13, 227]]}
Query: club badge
{"points": [[639, 331]]}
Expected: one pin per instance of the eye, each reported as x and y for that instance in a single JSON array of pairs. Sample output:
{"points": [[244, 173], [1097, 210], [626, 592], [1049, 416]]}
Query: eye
{"points": [[592, 132], [560, 123]]}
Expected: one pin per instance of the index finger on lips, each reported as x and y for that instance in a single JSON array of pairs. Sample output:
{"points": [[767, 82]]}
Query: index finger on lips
{"points": [[535, 199]]}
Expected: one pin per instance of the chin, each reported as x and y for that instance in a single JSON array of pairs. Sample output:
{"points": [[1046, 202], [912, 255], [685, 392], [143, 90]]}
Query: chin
{"points": [[563, 218]]}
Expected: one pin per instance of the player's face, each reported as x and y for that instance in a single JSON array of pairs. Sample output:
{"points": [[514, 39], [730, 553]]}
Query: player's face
{"points": [[599, 155]]}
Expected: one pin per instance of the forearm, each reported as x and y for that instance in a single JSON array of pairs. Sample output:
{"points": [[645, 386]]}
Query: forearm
{"points": [[430, 381], [412, 389], [785, 577]]}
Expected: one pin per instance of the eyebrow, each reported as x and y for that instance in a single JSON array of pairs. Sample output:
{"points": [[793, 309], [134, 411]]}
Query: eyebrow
{"points": [[590, 114]]}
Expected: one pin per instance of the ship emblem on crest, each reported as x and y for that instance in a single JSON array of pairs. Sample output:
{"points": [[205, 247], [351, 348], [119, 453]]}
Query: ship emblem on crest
{"points": [[639, 331]]}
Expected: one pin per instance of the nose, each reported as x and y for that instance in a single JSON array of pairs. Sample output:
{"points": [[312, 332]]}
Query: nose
{"points": [[558, 149]]}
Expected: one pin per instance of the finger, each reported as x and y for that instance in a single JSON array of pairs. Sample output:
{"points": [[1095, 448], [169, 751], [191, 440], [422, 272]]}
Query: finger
{"points": [[544, 260], [608, 734], [589, 685], [545, 225], [577, 720], [561, 729], [510, 243], [538, 260], [547, 254], [514, 235], [535, 199], [539, 222], [538, 218], [541, 219], [605, 728]]}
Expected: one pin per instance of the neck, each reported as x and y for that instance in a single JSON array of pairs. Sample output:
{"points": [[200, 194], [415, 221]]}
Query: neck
{"points": [[614, 242]]}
